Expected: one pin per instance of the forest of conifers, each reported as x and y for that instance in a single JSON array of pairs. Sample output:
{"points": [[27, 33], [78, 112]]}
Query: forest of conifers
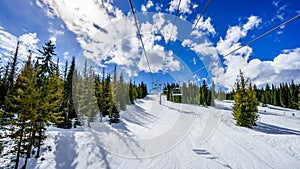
{"points": [[40, 94]]}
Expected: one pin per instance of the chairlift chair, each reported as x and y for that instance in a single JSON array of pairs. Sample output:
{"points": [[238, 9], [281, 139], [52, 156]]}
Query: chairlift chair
{"points": [[176, 91]]}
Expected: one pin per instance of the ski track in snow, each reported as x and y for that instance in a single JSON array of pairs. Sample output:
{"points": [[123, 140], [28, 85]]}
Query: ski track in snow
{"points": [[179, 136]]}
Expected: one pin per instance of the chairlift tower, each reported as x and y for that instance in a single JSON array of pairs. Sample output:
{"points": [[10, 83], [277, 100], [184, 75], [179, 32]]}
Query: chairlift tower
{"points": [[160, 93]]}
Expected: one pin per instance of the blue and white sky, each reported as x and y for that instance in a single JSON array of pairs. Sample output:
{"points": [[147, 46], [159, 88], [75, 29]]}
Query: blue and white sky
{"points": [[103, 31]]}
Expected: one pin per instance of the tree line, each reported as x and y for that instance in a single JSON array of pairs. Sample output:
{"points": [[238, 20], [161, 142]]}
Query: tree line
{"points": [[284, 95], [246, 97], [98, 96], [40, 96], [191, 93]]}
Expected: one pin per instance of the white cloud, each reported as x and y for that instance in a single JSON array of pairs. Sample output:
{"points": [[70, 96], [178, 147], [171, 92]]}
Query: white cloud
{"points": [[129, 51], [106, 34], [48, 8], [203, 27], [275, 3], [283, 68], [253, 21], [234, 34], [158, 20], [53, 39], [169, 31], [159, 60], [287, 60], [239, 59], [197, 78], [280, 11], [8, 44], [148, 5], [143, 8], [66, 55], [186, 6], [55, 33], [195, 6]]}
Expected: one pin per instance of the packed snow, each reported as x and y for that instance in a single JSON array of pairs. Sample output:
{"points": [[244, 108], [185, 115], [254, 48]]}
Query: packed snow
{"points": [[175, 135]]}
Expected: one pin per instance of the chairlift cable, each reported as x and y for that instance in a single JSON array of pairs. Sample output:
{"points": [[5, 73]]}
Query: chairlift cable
{"points": [[195, 25], [264, 34], [140, 37], [201, 14], [174, 22]]}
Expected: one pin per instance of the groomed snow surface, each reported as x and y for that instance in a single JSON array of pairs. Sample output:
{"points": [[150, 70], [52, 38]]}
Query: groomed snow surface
{"points": [[176, 136]]}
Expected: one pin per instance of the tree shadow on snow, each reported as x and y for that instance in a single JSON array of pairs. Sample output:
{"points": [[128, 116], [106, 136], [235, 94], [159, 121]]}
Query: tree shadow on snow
{"points": [[122, 136], [280, 109], [66, 153], [271, 129], [223, 107], [138, 115]]}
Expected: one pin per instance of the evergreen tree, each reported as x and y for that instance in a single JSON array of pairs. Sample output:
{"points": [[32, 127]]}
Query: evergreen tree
{"points": [[204, 94], [268, 94], [50, 88], [109, 105], [21, 102], [293, 101], [245, 103], [86, 101], [284, 95], [13, 67], [131, 92], [264, 99], [47, 66], [68, 103]]}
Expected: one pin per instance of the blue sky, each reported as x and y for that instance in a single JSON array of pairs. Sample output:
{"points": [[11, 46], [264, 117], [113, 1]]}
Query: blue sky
{"points": [[103, 31]]}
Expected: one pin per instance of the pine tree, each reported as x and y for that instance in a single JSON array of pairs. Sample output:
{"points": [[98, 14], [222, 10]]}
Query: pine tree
{"points": [[268, 94], [264, 99], [85, 96], [204, 94], [21, 102], [4, 87], [68, 102], [284, 95], [13, 67], [50, 88], [293, 101], [131, 92], [47, 66], [245, 103], [276, 97]]}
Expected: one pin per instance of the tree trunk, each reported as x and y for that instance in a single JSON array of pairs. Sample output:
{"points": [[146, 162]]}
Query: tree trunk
{"points": [[29, 148], [39, 141], [19, 144]]}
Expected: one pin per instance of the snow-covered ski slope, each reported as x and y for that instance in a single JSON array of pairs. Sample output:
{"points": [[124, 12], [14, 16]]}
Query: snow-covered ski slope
{"points": [[177, 136]]}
